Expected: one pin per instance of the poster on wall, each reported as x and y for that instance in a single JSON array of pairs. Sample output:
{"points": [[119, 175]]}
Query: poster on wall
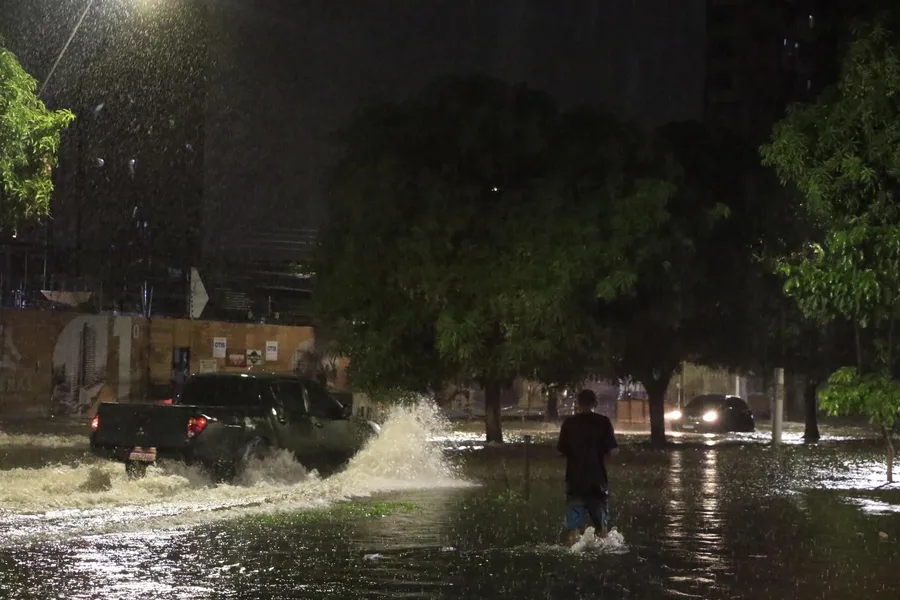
{"points": [[236, 358], [254, 357], [271, 351], [209, 365], [219, 347]]}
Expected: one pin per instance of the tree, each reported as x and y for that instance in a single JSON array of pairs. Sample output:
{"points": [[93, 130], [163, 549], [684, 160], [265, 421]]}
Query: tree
{"points": [[465, 225], [29, 140], [841, 154], [690, 300]]}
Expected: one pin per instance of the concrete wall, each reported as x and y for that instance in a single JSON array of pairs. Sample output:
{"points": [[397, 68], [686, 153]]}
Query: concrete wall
{"points": [[63, 364]]}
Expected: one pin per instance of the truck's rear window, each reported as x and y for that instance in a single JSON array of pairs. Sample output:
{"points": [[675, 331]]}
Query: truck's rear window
{"points": [[225, 391]]}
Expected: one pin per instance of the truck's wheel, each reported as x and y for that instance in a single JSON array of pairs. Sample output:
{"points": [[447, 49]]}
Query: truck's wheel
{"points": [[135, 469], [255, 449], [224, 471]]}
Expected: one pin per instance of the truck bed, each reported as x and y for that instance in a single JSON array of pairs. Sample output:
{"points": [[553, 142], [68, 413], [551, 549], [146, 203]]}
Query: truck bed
{"points": [[129, 425]]}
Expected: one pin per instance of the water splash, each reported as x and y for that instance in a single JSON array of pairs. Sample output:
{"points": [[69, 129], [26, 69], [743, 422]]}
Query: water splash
{"points": [[613, 543], [18, 440], [97, 497]]}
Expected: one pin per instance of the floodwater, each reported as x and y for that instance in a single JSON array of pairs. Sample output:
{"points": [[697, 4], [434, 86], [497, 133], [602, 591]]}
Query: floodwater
{"points": [[428, 513]]}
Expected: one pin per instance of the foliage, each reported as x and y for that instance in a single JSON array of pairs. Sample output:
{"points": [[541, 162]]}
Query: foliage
{"points": [[29, 141], [876, 395], [841, 151], [691, 300], [467, 226], [843, 154], [855, 274]]}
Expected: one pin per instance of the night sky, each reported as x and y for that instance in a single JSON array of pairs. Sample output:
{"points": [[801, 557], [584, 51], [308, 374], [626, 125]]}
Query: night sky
{"points": [[284, 75]]}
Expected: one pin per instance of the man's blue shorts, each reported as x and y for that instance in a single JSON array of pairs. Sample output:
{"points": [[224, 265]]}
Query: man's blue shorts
{"points": [[578, 506]]}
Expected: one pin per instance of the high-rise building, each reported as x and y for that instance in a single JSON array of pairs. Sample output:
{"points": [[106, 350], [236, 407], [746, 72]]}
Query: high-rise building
{"points": [[763, 55]]}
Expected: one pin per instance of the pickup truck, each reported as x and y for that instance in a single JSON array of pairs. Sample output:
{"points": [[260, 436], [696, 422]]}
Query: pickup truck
{"points": [[222, 420]]}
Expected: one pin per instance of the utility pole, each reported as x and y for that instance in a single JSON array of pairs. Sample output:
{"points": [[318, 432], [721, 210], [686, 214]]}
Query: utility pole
{"points": [[778, 412]]}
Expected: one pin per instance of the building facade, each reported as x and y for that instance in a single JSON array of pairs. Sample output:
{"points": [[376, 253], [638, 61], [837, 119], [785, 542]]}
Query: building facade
{"points": [[763, 55]]}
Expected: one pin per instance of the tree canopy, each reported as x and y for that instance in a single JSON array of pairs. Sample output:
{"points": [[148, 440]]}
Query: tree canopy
{"points": [[468, 228], [701, 278], [843, 154], [29, 141]]}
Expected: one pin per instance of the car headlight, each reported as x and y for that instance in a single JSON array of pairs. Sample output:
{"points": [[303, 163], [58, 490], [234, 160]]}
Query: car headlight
{"points": [[711, 417], [674, 415]]}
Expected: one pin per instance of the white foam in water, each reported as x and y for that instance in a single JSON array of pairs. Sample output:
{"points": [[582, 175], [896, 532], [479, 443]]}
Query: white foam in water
{"points": [[43, 441], [63, 501], [613, 543]]}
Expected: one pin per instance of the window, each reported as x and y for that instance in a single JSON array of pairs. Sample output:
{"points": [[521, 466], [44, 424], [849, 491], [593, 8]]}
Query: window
{"points": [[321, 404], [722, 48], [720, 16], [230, 392], [721, 81], [702, 404], [289, 398], [737, 404]]}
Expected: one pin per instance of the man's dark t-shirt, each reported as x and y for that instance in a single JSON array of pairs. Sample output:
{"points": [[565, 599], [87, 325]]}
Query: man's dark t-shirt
{"points": [[585, 439]]}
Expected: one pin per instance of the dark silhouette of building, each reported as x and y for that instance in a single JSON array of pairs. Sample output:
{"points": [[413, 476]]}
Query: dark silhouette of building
{"points": [[763, 55]]}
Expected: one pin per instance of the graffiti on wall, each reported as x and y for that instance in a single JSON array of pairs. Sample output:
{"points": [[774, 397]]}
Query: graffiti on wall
{"points": [[16, 376], [80, 369], [64, 365]]}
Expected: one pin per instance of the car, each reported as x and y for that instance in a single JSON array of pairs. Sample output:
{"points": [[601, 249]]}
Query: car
{"points": [[714, 413], [222, 420]]}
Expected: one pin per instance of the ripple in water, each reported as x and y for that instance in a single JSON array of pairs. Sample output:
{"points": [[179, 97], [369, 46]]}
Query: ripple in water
{"points": [[64, 501]]}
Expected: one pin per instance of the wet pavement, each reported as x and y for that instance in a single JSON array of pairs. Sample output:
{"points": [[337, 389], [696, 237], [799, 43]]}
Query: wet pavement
{"points": [[442, 517]]}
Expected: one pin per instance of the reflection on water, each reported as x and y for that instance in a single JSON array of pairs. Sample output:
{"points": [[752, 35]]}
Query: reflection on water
{"points": [[716, 522]]}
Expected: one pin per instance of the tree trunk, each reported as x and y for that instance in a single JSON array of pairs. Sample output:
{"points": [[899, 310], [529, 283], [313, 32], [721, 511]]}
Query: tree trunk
{"points": [[492, 425], [890, 453], [810, 403], [656, 394], [552, 405]]}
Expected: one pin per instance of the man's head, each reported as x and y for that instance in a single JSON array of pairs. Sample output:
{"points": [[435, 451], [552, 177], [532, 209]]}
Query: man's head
{"points": [[586, 400]]}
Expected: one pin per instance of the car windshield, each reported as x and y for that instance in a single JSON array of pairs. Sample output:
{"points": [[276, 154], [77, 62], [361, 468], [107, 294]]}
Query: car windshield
{"points": [[702, 403]]}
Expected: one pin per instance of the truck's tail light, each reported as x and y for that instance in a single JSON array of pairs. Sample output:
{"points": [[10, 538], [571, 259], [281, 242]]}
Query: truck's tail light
{"points": [[196, 425], [95, 422], [166, 401]]}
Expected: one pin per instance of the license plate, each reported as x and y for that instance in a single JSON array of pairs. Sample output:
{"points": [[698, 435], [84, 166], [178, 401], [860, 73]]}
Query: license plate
{"points": [[688, 426], [142, 454]]}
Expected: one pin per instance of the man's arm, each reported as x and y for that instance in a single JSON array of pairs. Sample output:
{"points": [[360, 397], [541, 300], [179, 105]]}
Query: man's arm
{"points": [[612, 446], [562, 445]]}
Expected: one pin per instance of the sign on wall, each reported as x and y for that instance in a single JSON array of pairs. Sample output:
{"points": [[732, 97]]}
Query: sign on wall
{"points": [[209, 365], [271, 351], [237, 358], [254, 357], [219, 347]]}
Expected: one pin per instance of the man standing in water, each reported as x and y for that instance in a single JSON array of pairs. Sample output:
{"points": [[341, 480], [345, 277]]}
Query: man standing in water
{"points": [[586, 439]]}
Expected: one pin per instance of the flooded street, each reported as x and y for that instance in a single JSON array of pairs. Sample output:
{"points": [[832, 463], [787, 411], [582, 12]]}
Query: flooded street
{"points": [[425, 513]]}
